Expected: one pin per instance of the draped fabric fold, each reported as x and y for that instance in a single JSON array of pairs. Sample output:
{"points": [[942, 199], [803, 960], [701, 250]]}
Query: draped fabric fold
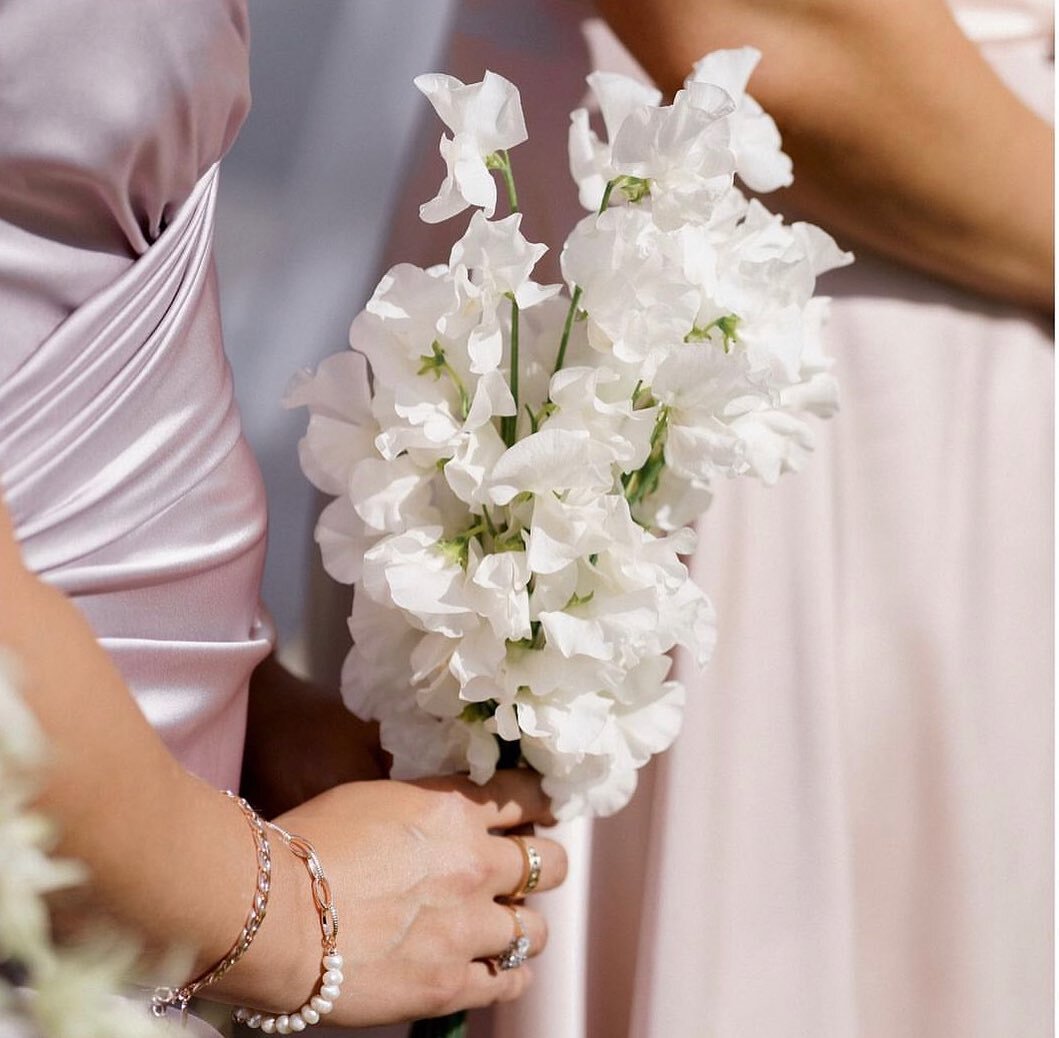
{"points": [[133, 492]]}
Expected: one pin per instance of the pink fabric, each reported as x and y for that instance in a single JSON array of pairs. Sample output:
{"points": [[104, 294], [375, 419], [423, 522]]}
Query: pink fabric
{"points": [[121, 456], [852, 835]]}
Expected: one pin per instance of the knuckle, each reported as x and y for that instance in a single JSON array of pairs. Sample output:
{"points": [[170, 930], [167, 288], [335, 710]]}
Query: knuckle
{"points": [[470, 873]]}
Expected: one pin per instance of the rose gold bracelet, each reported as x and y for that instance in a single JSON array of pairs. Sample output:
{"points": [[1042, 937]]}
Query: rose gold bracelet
{"points": [[331, 962], [165, 999]]}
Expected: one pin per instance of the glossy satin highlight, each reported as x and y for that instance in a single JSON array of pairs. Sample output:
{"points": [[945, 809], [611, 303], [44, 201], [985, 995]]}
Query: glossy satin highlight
{"points": [[121, 455]]}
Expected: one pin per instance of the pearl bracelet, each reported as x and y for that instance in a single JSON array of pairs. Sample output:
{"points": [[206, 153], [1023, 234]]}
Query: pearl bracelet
{"points": [[165, 999], [331, 976]]}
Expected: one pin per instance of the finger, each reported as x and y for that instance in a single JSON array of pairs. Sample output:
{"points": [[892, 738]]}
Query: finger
{"points": [[496, 929], [486, 984], [510, 798], [511, 858]]}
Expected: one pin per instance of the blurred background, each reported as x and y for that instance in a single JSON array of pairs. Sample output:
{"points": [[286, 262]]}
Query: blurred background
{"points": [[306, 201]]}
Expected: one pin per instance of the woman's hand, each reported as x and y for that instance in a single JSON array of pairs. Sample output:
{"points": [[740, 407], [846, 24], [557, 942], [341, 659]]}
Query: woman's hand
{"points": [[416, 868], [301, 741]]}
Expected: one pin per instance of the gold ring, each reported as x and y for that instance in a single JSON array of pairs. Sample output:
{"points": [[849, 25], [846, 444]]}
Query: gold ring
{"points": [[531, 868]]}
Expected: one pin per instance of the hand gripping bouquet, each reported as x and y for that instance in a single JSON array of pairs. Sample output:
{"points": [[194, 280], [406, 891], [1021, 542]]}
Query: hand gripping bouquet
{"points": [[515, 466]]}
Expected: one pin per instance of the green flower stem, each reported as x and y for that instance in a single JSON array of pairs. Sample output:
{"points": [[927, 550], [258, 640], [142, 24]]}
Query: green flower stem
{"points": [[509, 180], [437, 363], [567, 326], [509, 424], [571, 313], [644, 481]]}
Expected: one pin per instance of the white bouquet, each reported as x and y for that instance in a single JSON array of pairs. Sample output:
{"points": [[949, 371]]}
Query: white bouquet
{"points": [[513, 484]]}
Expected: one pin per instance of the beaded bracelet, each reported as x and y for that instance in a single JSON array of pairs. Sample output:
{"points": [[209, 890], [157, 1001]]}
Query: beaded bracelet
{"points": [[331, 973], [179, 998]]}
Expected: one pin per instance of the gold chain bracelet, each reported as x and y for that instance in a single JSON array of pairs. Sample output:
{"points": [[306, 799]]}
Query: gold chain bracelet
{"points": [[165, 999]]}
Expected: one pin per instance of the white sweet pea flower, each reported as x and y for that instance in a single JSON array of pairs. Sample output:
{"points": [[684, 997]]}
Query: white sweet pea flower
{"points": [[704, 391], [591, 164], [759, 160], [409, 310], [551, 460], [482, 752], [633, 289], [675, 502], [343, 540], [341, 426], [469, 470], [493, 262], [774, 441], [497, 591], [591, 785], [683, 151], [391, 496], [378, 667], [484, 118], [500, 261], [415, 572], [564, 530], [600, 400]]}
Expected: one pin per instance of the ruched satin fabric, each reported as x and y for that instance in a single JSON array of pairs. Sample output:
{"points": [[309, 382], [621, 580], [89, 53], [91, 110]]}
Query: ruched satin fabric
{"points": [[122, 460]]}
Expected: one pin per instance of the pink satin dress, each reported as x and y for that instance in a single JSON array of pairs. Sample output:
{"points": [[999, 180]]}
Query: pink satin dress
{"points": [[122, 460], [851, 837]]}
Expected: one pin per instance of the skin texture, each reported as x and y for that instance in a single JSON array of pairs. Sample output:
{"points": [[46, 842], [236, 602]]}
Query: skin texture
{"points": [[415, 867], [903, 138]]}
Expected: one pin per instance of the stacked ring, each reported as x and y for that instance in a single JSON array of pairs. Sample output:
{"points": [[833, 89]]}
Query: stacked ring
{"points": [[517, 952], [531, 868]]}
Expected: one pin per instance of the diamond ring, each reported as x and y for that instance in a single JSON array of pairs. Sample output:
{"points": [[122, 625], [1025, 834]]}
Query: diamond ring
{"points": [[517, 952]]}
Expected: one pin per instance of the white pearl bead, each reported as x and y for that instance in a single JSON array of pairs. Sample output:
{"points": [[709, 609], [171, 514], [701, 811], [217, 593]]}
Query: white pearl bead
{"points": [[296, 1022], [309, 1015], [268, 1025], [333, 977], [321, 1005], [330, 992], [333, 962], [283, 1024]]}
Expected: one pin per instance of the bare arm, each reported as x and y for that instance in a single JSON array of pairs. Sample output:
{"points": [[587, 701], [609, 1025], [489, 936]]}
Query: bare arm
{"points": [[415, 867], [902, 136]]}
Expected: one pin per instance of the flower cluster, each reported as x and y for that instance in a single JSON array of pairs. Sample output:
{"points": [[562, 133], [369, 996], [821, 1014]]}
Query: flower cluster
{"points": [[72, 991], [514, 485]]}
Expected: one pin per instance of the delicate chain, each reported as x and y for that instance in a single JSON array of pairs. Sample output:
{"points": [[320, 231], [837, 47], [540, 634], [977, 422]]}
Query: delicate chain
{"points": [[331, 962], [178, 998]]}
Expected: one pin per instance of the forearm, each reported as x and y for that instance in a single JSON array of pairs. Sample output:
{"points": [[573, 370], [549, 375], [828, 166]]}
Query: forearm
{"points": [[171, 860], [301, 741], [902, 136]]}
